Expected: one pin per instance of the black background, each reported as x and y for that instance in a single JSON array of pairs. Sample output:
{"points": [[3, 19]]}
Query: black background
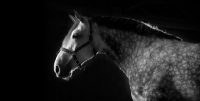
{"points": [[102, 79]]}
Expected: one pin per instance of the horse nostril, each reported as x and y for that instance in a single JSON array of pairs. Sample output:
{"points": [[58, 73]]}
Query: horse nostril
{"points": [[57, 69]]}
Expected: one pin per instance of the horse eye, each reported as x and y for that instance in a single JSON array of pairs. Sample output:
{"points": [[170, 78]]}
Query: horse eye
{"points": [[76, 36]]}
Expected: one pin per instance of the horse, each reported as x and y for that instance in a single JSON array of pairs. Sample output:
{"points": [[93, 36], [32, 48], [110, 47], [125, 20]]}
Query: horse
{"points": [[158, 65]]}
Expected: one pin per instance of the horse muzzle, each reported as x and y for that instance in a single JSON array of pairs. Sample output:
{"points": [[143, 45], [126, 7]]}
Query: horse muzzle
{"points": [[63, 65]]}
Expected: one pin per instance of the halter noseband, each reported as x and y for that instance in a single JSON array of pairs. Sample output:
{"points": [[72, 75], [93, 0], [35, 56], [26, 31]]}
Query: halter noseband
{"points": [[73, 53]]}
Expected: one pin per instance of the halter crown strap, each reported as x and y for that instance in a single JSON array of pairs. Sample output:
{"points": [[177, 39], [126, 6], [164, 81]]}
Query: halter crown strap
{"points": [[91, 37]]}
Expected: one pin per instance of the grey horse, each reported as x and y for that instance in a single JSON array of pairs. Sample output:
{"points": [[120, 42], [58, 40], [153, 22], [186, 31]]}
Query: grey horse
{"points": [[159, 66]]}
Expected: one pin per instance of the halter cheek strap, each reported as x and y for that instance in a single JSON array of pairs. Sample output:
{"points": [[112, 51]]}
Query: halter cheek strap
{"points": [[73, 53]]}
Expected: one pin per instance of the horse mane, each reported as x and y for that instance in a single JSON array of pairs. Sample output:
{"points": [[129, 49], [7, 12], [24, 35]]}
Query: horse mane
{"points": [[131, 25]]}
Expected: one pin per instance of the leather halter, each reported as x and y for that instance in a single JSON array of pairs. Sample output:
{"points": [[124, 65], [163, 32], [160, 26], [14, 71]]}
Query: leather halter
{"points": [[73, 53]]}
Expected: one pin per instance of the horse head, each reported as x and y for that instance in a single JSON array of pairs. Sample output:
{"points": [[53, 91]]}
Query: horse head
{"points": [[76, 49]]}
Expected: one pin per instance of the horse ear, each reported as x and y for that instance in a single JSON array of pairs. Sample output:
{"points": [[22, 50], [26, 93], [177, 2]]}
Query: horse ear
{"points": [[72, 18], [78, 16]]}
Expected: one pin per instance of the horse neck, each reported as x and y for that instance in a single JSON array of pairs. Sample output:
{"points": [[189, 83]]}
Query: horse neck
{"points": [[120, 46]]}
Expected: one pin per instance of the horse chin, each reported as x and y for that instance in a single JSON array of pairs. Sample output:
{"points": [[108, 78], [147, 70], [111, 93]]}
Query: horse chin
{"points": [[67, 78]]}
